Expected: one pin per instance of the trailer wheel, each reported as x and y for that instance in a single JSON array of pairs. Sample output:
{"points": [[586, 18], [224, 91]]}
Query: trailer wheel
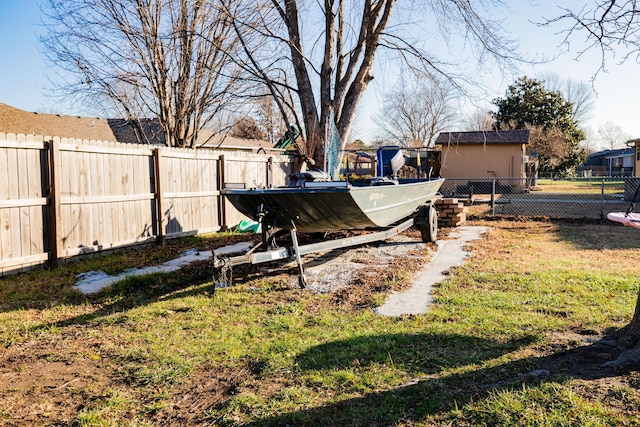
{"points": [[429, 226]]}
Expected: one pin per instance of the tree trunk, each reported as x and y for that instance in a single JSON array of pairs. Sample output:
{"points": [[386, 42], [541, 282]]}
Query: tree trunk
{"points": [[629, 336], [305, 89]]}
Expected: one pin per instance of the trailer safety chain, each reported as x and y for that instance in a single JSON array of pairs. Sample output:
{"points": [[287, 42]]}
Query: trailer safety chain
{"points": [[224, 276]]}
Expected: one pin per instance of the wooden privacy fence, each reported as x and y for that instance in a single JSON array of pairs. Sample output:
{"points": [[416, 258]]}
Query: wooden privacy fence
{"points": [[63, 197]]}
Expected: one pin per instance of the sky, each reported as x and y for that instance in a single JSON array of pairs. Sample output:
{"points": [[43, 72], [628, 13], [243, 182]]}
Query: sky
{"points": [[617, 90], [23, 73]]}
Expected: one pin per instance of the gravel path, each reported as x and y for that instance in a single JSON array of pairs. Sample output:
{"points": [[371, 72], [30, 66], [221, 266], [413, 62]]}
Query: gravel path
{"points": [[418, 298]]}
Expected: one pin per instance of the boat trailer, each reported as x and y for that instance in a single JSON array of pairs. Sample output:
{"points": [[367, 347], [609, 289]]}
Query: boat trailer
{"points": [[425, 219]]}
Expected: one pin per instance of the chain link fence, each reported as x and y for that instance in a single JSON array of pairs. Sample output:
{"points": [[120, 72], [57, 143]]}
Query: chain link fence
{"points": [[575, 198]]}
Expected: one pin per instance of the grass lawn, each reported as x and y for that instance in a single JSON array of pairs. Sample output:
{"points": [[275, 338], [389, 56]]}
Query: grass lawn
{"points": [[581, 186], [506, 342]]}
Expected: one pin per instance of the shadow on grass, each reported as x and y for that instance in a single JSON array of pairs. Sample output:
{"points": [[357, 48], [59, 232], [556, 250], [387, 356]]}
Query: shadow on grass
{"points": [[428, 395], [599, 236], [136, 291], [421, 355], [43, 288], [426, 353]]}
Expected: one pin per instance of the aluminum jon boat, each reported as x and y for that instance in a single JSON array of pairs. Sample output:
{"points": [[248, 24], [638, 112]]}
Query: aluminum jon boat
{"points": [[334, 205], [314, 203]]}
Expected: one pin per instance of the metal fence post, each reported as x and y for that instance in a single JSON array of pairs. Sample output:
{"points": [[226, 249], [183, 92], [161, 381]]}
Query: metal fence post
{"points": [[493, 196], [602, 200]]}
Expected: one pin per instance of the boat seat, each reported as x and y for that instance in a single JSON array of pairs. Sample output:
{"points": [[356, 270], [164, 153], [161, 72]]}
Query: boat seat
{"points": [[381, 180], [325, 184], [312, 175]]}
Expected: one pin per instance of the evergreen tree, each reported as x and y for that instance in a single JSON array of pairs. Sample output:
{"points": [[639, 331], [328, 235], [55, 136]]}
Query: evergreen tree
{"points": [[555, 134]]}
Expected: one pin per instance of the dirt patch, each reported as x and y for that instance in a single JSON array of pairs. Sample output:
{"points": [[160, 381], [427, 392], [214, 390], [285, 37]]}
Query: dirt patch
{"points": [[43, 384], [36, 390], [207, 389], [336, 270]]}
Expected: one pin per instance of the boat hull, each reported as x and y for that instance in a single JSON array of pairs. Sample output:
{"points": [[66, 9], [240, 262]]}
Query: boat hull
{"points": [[318, 209]]}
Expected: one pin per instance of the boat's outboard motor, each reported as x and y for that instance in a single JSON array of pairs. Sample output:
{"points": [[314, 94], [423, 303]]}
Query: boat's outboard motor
{"points": [[390, 161]]}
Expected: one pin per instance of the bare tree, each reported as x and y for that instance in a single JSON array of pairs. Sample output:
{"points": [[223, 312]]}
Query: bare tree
{"points": [[609, 26], [550, 144], [269, 119], [612, 136], [317, 58], [162, 59], [590, 144], [580, 94], [479, 120], [247, 127], [414, 115]]}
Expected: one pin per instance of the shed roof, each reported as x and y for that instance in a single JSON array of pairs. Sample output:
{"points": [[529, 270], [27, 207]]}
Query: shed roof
{"points": [[484, 137]]}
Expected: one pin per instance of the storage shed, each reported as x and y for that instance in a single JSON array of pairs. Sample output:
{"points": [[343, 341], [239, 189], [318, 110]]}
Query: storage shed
{"points": [[484, 154]]}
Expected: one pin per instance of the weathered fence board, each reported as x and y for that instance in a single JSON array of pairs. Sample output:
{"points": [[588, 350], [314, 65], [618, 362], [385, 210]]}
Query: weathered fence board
{"points": [[190, 192], [62, 197], [22, 203]]}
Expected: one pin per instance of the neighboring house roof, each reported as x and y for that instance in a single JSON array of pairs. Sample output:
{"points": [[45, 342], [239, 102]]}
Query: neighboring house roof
{"points": [[124, 132], [209, 139], [14, 120], [625, 152], [484, 137], [598, 158]]}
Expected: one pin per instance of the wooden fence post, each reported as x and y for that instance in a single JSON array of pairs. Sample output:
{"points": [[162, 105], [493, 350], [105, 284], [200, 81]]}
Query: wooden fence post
{"points": [[222, 208], [157, 156], [269, 172], [55, 240]]}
